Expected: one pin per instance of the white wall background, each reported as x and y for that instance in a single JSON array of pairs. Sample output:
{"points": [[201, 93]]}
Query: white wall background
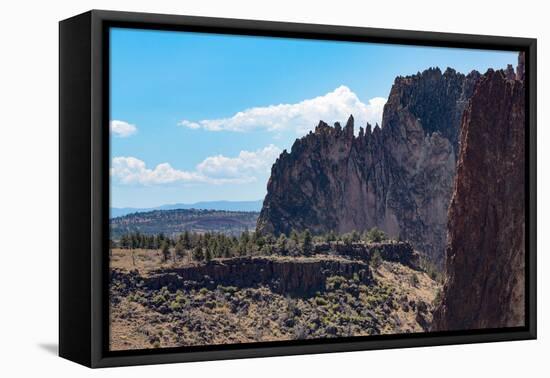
{"points": [[29, 186]]}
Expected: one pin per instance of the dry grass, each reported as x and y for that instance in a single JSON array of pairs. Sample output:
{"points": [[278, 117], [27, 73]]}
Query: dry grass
{"points": [[243, 315], [409, 285], [143, 260]]}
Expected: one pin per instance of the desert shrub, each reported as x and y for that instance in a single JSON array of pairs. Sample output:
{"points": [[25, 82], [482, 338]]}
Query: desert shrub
{"points": [[180, 298], [228, 289], [335, 282], [320, 301], [376, 259], [159, 299], [414, 281], [175, 306]]}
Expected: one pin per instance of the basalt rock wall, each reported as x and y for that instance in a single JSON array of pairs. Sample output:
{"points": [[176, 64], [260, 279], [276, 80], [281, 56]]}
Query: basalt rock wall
{"points": [[485, 262]]}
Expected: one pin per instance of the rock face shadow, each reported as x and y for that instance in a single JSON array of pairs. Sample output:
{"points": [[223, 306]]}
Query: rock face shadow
{"points": [[52, 348]]}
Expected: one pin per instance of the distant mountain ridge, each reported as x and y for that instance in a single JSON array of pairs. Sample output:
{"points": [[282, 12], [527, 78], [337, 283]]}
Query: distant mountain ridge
{"points": [[255, 206], [174, 222]]}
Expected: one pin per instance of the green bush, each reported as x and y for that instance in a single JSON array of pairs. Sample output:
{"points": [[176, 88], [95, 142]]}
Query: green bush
{"points": [[335, 282], [175, 306], [165, 251], [375, 235], [308, 242], [198, 254], [414, 280], [159, 299], [376, 259], [320, 301]]}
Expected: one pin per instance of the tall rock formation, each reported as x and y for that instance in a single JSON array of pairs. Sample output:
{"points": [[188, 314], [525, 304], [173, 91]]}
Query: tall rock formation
{"points": [[397, 177], [485, 261]]}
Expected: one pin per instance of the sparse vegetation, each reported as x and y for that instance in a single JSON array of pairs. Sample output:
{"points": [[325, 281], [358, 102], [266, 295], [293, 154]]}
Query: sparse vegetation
{"points": [[209, 312], [375, 235], [165, 249], [376, 259], [208, 246], [193, 315]]}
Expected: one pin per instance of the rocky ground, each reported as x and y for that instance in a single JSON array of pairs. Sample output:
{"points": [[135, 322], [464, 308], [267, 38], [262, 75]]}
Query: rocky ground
{"points": [[389, 298]]}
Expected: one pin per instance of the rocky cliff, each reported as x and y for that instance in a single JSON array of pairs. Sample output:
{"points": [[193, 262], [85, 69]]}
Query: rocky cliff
{"points": [[290, 276], [485, 261], [397, 177]]}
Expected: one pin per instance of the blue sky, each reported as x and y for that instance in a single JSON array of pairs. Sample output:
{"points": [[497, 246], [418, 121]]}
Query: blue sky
{"points": [[202, 117]]}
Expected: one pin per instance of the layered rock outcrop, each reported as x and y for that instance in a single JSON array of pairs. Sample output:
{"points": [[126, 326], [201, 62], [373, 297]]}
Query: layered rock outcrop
{"points": [[397, 177], [293, 276], [485, 263]]}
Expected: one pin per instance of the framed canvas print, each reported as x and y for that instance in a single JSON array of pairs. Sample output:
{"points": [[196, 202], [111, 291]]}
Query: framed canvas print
{"points": [[234, 188]]}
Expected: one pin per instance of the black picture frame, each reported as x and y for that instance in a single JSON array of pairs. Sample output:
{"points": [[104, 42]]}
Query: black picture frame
{"points": [[84, 186]]}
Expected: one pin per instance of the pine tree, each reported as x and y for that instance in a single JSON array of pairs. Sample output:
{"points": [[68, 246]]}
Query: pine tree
{"points": [[165, 251], [186, 240], [376, 235], [225, 248], [294, 237], [330, 237], [208, 254], [245, 237], [282, 243], [198, 254], [124, 242], [179, 250], [308, 242]]}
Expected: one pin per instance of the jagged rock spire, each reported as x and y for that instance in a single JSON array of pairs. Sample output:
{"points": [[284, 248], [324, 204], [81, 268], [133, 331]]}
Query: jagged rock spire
{"points": [[348, 129], [509, 72], [369, 128]]}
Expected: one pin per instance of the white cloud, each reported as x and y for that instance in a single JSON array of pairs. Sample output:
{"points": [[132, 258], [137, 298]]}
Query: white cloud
{"points": [[246, 164], [301, 117], [130, 170], [122, 129], [244, 168]]}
